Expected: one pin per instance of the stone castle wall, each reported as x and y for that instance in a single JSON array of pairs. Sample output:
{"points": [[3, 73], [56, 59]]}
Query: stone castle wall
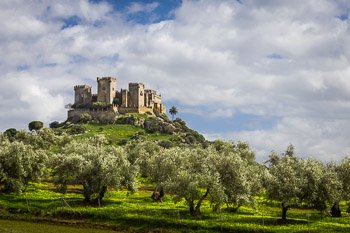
{"points": [[83, 94], [101, 115], [106, 89], [136, 100]]}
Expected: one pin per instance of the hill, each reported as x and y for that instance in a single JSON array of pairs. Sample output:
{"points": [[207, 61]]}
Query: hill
{"points": [[145, 173], [134, 126]]}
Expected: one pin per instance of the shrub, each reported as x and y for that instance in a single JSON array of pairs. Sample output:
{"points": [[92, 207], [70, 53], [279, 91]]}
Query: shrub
{"points": [[164, 117], [190, 139], [165, 144], [77, 129], [167, 128], [85, 118], [35, 125], [180, 124], [80, 106], [54, 125], [123, 142], [11, 133], [100, 105], [126, 120], [151, 125]]}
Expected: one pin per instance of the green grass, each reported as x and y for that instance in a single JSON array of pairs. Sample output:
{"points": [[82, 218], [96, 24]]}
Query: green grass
{"points": [[111, 132], [11, 226], [124, 211], [116, 133]]}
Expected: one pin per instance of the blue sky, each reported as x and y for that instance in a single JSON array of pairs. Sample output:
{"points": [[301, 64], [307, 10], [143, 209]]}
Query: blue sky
{"points": [[267, 72]]}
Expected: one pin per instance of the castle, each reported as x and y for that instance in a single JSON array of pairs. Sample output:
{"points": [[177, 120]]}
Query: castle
{"points": [[109, 103]]}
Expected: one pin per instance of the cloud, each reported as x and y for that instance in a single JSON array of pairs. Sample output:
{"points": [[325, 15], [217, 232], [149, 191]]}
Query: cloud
{"points": [[136, 7], [322, 139], [287, 60]]}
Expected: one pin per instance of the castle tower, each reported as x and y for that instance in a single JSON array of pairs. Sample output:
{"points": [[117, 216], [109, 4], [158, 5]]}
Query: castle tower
{"points": [[124, 97], [137, 97], [82, 94], [106, 89]]}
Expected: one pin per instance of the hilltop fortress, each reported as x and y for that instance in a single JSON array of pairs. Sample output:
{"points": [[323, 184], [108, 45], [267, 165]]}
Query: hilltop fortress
{"points": [[109, 103]]}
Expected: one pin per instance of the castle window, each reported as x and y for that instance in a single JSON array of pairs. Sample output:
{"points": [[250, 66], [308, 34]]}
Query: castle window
{"points": [[141, 93], [103, 88]]}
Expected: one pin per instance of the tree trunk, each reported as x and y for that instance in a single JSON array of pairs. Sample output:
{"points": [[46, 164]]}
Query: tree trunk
{"points": [[191, 204], [284, 212], [87, 193], [158, 195], [335, 210], [101, 194], [196, 210]]}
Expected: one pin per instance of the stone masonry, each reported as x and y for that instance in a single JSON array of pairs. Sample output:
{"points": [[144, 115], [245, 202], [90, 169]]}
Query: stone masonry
{"points": [[109, 103]]}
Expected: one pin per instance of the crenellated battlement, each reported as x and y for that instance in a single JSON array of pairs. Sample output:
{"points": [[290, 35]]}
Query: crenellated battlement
{"points": [[110, 79], [76, 87]]}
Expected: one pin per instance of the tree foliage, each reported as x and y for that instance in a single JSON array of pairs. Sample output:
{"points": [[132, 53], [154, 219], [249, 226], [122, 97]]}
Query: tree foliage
{"points": [[173, 111], [283, 180], [19, 164], [35, 125], [193, 178], [239, 174], [95, 167], [223, 173]]}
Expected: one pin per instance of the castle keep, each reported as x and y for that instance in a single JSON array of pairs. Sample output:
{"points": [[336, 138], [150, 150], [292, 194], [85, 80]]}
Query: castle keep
{"points": [[108, 102]]}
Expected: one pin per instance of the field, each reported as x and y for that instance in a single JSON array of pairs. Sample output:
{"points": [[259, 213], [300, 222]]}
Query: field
{"points": [[125, 212]]}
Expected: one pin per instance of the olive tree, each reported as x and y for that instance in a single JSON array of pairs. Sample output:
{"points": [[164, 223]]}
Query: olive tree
{"points": [[344, 175], [283, 181], [330, 190], [162, 167], [194, 178], [95, 167], [311, 172], [141, 153], [240, 179], [19, 164]]}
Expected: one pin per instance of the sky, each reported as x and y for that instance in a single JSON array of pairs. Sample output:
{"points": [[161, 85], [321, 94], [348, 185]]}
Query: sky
{"points": [[271, 73]]}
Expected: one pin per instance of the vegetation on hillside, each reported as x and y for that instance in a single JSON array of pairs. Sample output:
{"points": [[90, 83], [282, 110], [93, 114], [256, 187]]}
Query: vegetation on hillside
{"points": [[165, 170]]}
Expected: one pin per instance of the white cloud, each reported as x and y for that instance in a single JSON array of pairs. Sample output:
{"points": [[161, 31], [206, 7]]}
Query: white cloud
{"points": [[136, 7], [322, 139], [218, 55]]}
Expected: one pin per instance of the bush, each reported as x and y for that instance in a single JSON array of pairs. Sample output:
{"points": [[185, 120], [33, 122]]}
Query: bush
{"points": [[168, 129], [85, 118], [190, 139], [126, 120], [165, 144], [11, 134], [165, 117], [180, 124], [54, 125], [77, 129], [151, 125], [123, 142], [81, 106], [101, 105], [35, 125]]}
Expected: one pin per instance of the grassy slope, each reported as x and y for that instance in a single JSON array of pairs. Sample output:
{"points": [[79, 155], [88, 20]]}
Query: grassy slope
{"points": [[129, 212], [116, 133]]}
